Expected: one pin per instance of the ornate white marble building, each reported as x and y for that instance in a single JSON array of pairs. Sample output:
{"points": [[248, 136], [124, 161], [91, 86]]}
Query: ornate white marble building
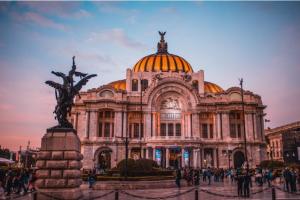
{"points": [[170, 114]]}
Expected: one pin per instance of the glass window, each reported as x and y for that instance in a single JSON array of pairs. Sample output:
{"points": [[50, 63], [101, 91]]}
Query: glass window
{"points": [[232, 131], [144, 84], [134, 85], [204, 131], [112, 129], [239, 131], [211, 131], [170, 130], [100, 130], [142, 130], [178, 129], [107, 114], [106, 129], [136, 130], [195, 84], [163, 129]]}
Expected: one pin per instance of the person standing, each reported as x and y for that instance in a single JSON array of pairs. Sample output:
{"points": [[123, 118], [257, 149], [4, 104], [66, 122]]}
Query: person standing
{"points": [[209, 174], [2, 196], [196, 178], [240, 180], [247, 180]]}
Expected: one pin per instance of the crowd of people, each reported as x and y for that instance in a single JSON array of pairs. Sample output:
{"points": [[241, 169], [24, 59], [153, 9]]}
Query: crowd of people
{"points": [[18, 181], [242, 178]]}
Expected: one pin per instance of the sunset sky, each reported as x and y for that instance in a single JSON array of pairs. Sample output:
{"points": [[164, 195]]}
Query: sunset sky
{"points": [[259, 41]]}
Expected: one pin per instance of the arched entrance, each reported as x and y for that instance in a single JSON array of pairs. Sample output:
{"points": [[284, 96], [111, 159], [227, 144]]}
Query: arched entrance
{"points": [[103, 159], [238, 159]]}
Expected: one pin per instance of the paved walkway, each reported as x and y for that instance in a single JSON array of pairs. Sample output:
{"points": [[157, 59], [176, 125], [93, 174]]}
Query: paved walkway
{"points": [[221, 190]]}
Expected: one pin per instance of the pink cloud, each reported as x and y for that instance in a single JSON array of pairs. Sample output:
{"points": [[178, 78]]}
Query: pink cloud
{"points": [[38, 19], [118, 36]]}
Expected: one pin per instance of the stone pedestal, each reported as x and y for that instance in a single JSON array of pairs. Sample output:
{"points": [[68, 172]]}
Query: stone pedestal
{"points": [[58, 165]]}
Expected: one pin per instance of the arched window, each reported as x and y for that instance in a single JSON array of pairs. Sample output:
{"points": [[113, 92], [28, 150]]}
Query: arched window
{"points": [[134, 85], [195, 84], [106, 123], [144, 83]]}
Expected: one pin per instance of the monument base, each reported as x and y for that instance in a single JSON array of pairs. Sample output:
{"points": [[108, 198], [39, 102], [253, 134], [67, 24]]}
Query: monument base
{"points": [[58, 165], [67, 194]]}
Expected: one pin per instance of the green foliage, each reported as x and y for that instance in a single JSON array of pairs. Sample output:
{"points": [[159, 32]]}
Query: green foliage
{"points": [[271, 164], [141, 167]]}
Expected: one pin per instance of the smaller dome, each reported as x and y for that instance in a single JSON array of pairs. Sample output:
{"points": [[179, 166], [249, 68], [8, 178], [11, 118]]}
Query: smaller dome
{"points": [[212, 87], [118, 85]]}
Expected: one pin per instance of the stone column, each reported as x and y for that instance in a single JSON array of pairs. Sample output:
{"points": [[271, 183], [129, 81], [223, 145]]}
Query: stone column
{"points": [[147, 152], [58, 165], [182, 157], [167, 157], [87, 124], [93, 132], [153, 154]]}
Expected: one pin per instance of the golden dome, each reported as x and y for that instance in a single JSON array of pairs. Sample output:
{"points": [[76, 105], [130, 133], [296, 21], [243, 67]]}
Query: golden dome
{"points": [[162, 60], [212, 87], [118, 85], [208, 86]]}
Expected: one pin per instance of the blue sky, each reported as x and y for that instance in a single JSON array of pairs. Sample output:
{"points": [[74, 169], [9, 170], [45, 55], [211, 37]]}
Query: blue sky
{"points": [[258, 41]]}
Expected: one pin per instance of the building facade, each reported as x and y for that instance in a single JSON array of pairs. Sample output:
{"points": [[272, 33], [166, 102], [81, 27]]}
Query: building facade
{"points": [[169, 114], [284, 143]]}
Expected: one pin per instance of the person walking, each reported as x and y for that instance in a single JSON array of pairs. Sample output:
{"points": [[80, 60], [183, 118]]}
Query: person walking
{"points": [[178, 177], [196, 178]]}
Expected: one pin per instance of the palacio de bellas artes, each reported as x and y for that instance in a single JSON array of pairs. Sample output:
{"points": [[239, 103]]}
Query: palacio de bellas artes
{"points": [[170, 114], [131, 100]]}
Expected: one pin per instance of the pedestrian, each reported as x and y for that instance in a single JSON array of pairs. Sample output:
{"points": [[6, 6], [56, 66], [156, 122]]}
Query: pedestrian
{"points": [[2, 193], [91, 179], [196, 177], [9, 182], [22, 182], [209, 174], [287, 179], [178, 177], [240, 180], [269, 177], [247, 180]]}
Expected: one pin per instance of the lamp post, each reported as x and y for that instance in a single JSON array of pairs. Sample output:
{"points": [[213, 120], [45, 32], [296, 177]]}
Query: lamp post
{"points": [[228, 153], [141, 114], [244, 127]]}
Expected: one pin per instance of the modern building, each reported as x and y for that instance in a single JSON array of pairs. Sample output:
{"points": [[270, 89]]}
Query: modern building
{"points": [[170, 114], [284, 143]]}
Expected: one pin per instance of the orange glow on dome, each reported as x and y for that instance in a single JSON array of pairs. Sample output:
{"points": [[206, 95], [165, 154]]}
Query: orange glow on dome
{"points": [[212, 87], [164, 62]]}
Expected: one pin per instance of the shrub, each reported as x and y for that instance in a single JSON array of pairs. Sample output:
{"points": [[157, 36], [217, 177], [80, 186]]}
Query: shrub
{"points": [[142, 167], [271, 164]]}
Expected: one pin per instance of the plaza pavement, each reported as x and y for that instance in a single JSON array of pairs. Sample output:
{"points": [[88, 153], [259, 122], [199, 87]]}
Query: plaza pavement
{"points": [[223, 190]]}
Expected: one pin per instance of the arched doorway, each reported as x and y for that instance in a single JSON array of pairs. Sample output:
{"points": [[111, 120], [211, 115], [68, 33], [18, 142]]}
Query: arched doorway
{"points": [[238, 159], [103, 159]]}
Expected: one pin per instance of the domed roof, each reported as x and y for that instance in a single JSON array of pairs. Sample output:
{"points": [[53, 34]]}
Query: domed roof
{"points": [[208, 86], [118, 85], [212, 87], [162, 60]]}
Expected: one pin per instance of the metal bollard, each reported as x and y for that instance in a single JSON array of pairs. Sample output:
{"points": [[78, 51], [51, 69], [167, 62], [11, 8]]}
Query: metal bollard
{"points": [[196, 194], [273, 193], [34, 196], [116, 195]]}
